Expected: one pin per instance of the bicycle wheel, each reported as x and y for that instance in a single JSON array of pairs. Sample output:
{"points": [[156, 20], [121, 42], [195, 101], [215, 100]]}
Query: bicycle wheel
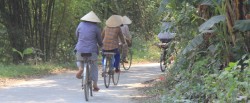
{"points": [[115, 77], [86, 83], [90, 88], [106, 76], [162, 63], [127, 66], [90, 81]]}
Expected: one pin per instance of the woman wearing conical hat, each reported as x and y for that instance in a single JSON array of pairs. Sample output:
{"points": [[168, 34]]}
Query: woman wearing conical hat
{"points": [[127, 36], [89, 35], [111, 35]]}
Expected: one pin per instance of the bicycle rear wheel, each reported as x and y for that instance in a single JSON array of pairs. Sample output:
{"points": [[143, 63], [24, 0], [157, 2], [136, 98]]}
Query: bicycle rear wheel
{"points": [[106, 76], [127, 66], [115, 77], [162, 63]]}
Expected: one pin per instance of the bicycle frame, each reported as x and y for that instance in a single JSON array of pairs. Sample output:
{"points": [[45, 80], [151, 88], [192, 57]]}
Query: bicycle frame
{"points": [[86, 78], [108, 69], [107, 56], [84, 70]]}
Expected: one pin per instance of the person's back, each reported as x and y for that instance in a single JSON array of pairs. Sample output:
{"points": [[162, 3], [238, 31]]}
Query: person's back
{"points": [[165, 34], [89, 37], [111, 37]]}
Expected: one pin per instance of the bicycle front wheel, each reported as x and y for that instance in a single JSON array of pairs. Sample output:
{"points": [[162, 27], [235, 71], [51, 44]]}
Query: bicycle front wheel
{"points": [[106, 75], [90, 82], [127, 66], [162, 63]]}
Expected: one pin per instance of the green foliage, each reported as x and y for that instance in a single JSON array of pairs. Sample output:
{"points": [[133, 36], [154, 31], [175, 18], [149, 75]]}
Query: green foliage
{"points": [[26, 71], [242, 25], [198, 40], [53, 27], [211, 22], [144, 51], [228, 85], [211, 66], [25, 51], [4, 45], [2, 29]]}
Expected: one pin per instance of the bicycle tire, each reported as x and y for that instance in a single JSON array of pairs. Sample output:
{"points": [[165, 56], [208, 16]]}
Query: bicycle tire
{"points": [[90, 89], [90, 82], [126, 66], [106, 72], [86, 84], [162, 66], [116, 77]]}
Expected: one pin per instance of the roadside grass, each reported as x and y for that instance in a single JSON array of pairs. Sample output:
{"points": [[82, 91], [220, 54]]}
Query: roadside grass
{"points": [[145, 51], [27, 71]]}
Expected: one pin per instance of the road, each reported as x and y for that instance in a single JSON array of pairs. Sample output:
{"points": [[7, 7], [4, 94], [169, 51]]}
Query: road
{"points": [[65, 88]]}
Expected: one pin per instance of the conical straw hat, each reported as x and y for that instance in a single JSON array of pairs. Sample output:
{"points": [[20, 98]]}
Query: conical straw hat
{"points": [[126, 20], [91, 16], [114, 21]]}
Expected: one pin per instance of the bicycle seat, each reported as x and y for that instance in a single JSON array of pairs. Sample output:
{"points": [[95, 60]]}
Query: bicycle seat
{"points": [[86, 54], [163, 45], [108, 51]]}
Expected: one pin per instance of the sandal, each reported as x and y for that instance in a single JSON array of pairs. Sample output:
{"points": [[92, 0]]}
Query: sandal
{"points": [[117, 70], [79, 74], [96, 89]]}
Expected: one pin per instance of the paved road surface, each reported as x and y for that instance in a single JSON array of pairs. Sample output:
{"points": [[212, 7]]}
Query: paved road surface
{"points": [[65, 88]]}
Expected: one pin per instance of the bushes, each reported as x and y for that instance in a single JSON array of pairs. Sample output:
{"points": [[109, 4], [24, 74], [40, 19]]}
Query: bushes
{"points": [[203, 84]]}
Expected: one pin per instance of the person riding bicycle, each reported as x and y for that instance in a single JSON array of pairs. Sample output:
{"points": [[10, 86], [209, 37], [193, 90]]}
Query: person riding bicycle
{"points": [[127, 36], [89, 35], [111, 35], [166, 35]]}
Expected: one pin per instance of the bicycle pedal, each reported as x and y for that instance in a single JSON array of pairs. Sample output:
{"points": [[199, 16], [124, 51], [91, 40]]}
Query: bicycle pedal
{"points": [[111, 72], [103, 74]]}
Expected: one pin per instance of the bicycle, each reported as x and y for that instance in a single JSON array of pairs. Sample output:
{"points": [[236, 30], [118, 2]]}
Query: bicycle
{"points": [[126, 66], [166, 51], [108, 69], [163, 47], [86, 77]]}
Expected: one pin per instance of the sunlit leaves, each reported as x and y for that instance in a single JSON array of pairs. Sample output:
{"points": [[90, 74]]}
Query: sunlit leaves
{"points": [[24, 52]]}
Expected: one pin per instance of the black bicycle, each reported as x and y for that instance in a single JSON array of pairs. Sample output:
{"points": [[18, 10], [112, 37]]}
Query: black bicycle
{"points": [[86, 77], [163, 47], [167, 52], [108, 69]]}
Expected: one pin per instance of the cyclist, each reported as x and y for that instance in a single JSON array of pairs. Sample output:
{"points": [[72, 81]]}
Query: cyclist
{"points": [[166, 35], [89, 35], [111, 35], [127, 36]]}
